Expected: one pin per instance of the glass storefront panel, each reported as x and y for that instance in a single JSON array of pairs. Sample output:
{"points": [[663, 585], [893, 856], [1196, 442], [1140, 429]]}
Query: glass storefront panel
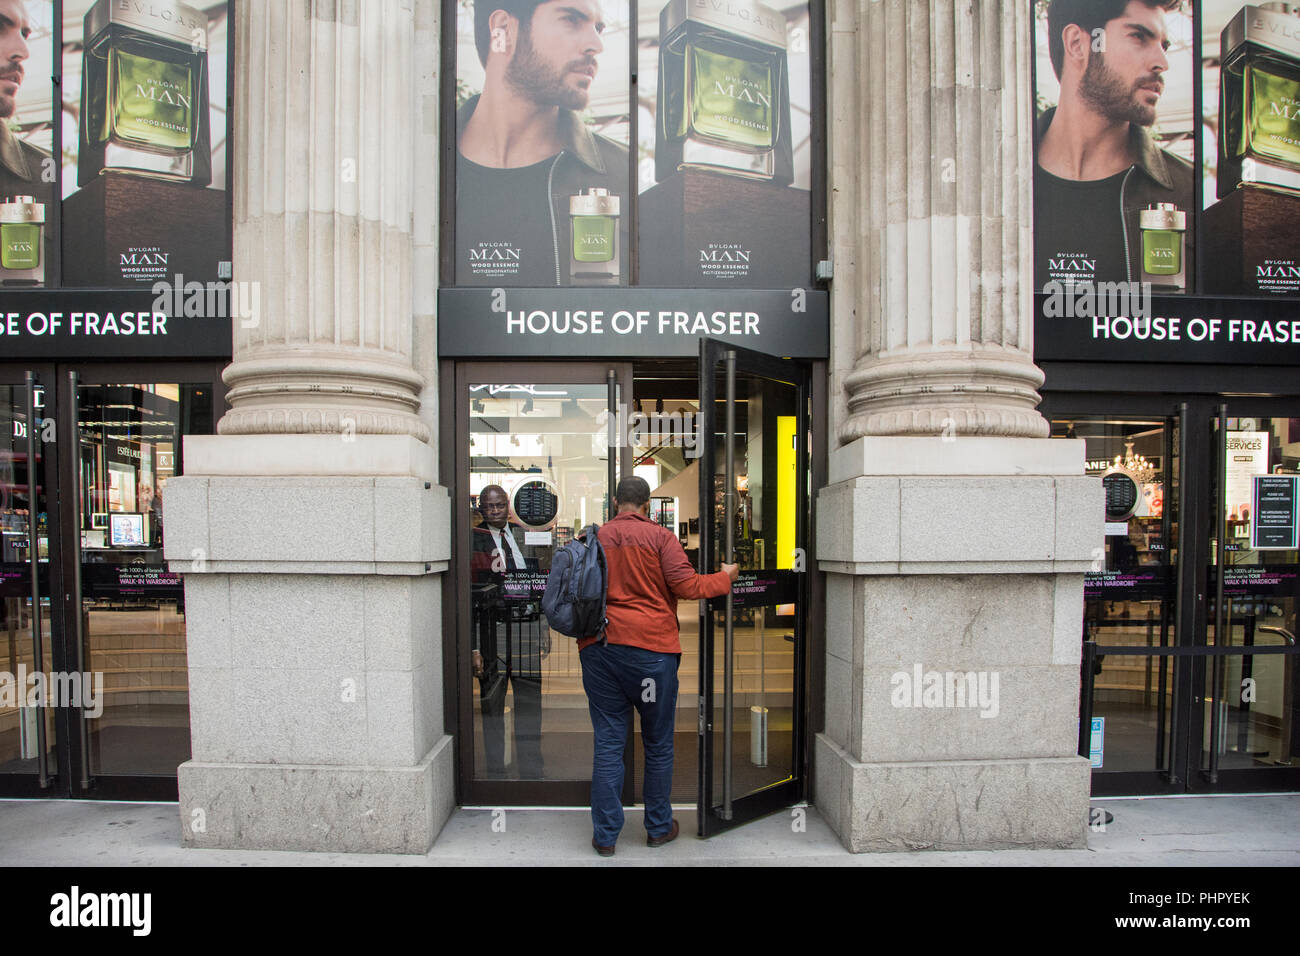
{"points": [[1129, 593], [133, 607], [538, 475], [1252, 702], [19, 724]]}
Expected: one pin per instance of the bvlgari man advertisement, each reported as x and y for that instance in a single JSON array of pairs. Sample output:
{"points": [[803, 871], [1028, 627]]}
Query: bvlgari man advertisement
{"points": [[27, 169], [1161, 234], [1114, 181], [144, 142], [724, 160], [1250, 62], [542, 132]]}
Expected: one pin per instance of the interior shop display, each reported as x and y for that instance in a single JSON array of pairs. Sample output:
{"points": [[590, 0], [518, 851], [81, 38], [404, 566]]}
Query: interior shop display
{"points": [[723, 91], [144, 92]]}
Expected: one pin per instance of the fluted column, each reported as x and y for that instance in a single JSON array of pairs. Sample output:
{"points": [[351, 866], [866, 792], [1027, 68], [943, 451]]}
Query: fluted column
{"points": [[953, 535], [932, 218], [324, 142]]}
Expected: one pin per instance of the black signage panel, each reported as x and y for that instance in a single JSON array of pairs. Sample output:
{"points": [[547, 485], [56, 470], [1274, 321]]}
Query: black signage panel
{"points": [[1136, 584], [1121, 496], [1275, 512], [1171, 329], [70, 325], [121, 581], [761, 589], [536, 503], [525, 585], [617, 322]]}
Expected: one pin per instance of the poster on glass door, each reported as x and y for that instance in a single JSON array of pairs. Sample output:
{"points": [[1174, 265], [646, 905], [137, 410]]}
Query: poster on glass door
{"points": [[542, 137], [144, 142]]}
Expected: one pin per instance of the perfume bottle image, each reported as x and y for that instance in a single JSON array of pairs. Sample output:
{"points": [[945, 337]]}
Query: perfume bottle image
{"points": [[22, 240], [144, 92], [724, 91], [1164, 231], [1259, 99], [594, 252]]}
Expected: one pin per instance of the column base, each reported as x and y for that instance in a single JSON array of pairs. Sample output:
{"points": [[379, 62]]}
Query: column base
{"points": [[332, 809], [1035, 803]]}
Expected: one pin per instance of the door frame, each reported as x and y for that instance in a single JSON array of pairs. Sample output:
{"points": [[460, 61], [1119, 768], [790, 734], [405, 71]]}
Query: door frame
{"points": [[784, 793], [455, 379], [69, 750], [1192, 416]]}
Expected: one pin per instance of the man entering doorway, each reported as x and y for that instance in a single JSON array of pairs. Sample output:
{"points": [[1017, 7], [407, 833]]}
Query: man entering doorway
{"points": [[635, 666]]}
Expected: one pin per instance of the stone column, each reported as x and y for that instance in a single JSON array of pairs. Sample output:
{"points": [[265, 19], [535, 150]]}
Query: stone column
{"points": [[311, 530], [953, 534]]}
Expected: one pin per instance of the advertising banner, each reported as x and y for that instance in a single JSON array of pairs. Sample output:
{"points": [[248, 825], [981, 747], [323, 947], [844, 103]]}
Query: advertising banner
{"points": [[613, 145], [113, 173], [1167, 180]]}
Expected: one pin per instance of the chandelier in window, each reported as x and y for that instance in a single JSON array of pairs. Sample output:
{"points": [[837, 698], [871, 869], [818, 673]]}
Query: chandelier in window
{"points": [[1135, 465]]}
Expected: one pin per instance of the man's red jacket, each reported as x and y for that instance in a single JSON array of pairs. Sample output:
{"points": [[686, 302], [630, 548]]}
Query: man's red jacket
{"points": [[648, 572]]}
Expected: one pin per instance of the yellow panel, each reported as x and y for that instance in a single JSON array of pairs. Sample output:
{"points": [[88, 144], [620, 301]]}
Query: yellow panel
{"points": [[785, 490]]}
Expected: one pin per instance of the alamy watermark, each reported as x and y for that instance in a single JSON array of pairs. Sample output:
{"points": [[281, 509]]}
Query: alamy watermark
{"points": [[922, 688], [1082, 298], [241, 300], [678, 429], [59, 689]]}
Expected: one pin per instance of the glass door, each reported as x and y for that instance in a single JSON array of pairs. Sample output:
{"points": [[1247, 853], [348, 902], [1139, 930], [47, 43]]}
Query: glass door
{"points": [[126, 629], [29, 732], [111, 716], [754, 486], [1129, 596], [1248, 721], [539, 458]]}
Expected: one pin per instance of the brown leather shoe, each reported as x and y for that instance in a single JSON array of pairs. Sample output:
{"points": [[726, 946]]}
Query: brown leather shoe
{"points": [[603, 850], [668, 837]]}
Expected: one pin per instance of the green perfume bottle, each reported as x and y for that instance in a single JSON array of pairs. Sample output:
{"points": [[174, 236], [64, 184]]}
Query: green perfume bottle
{"points": [[1164, 230], [1259, 99], [22, 240], [724, 91], [144, 92], [594, 252]]}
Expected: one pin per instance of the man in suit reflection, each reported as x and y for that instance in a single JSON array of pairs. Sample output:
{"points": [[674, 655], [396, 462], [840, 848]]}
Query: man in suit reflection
{"points": [[509, 638]]}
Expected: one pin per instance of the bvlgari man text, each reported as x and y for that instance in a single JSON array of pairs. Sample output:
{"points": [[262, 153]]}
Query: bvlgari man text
{"points": [[1259, 99], [724, 90], [144, 92]]}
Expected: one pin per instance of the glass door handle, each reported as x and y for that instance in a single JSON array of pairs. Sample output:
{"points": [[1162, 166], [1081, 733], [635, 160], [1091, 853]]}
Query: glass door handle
{"points": [[34, 554], [1280, 631], [729, 507], [78, 615]]}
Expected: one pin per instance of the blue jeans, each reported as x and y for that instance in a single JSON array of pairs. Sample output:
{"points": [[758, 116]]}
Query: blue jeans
{"points": [[618, 677]]}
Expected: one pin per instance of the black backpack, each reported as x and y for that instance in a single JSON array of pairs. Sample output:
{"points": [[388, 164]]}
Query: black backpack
{"points": [[574, 602]]}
